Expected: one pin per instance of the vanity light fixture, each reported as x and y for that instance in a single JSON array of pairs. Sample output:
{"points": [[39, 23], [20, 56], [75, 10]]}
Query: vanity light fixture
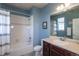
{"points": [[66, 4], [63, 6]]}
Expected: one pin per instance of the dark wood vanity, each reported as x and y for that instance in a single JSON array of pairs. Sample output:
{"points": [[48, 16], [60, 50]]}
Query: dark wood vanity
{"points": [[53, 50]]}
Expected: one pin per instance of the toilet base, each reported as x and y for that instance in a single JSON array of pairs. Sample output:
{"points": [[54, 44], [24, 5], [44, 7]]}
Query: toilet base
{"points": [[38, 50], [38, 53]]}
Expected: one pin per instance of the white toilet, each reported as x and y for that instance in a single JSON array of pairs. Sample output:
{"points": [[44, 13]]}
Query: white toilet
{"points": [[38, 50]]}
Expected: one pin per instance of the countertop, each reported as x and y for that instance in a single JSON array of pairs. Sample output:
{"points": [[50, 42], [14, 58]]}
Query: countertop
{"points": [[67, 44]]}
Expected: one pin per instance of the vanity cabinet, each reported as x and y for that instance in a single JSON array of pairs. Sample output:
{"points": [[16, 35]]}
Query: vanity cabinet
{"points": [[53, 50], [46, 48]]}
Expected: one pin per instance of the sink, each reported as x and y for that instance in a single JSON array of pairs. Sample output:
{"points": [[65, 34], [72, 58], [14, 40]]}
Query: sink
{"points": [[62, 38]]}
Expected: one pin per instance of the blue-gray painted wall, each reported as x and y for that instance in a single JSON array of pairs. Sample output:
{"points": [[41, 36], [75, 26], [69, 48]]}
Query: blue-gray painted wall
{"points": [[46, 12], [35, 12], [39, 16]]}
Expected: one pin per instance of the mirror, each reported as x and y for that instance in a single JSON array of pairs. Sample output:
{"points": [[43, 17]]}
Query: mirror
{"points": [[70, 23]]}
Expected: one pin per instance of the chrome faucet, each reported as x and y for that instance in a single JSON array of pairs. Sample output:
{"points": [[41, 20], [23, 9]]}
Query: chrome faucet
{"points": [[63, 38]]}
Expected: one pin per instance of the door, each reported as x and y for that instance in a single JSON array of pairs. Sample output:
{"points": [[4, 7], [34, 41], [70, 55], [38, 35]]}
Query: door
{"points": [[76, 28], [21, 40]]}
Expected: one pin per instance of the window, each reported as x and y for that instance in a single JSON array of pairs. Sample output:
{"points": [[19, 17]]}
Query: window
{"points": [[61, 23]]}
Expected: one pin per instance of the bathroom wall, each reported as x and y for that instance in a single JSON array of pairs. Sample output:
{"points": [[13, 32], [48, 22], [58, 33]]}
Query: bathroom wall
{"points": [[39, 16], [35, 12], [46, 12]]}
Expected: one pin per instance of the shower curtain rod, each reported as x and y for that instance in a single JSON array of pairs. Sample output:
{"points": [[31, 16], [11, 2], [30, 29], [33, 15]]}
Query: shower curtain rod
{"points": [[13, 11], [19, 13]]}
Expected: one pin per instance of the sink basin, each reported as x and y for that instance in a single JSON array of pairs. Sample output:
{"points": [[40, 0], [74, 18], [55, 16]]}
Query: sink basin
{"points": [[62, 38]]}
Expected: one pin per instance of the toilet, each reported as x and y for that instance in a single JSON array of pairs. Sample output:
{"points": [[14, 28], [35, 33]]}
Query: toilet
{"points": [[38, 50]]}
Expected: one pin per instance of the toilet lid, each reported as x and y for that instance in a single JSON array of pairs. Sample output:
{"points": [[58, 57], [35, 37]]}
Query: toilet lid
{"points": [[37, 48]]}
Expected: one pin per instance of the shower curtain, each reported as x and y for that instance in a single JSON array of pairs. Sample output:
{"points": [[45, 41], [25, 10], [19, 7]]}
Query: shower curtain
{"points": [[4, 32]]}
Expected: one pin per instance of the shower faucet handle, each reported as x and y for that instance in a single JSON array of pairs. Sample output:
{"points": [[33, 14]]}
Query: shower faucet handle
{"points": [[29, 37]]}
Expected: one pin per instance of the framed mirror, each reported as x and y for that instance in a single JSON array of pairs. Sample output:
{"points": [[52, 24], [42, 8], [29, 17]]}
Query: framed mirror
{"points": [[44, 25]]}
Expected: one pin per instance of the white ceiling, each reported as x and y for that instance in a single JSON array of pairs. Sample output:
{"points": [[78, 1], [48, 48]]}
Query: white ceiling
{"points": [[28, 5]]}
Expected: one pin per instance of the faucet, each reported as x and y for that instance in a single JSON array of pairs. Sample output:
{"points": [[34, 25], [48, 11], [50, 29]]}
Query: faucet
{"points": [[63, 38]]}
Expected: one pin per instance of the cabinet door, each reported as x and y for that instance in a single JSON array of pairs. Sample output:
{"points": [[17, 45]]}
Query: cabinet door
{"points": [[55, 51], [59, 50], [0, 51], [46, 48], [69, 53]]}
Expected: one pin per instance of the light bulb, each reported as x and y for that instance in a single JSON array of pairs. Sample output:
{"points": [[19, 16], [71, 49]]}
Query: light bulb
{"points": [[66, 4], [60, 7]]}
